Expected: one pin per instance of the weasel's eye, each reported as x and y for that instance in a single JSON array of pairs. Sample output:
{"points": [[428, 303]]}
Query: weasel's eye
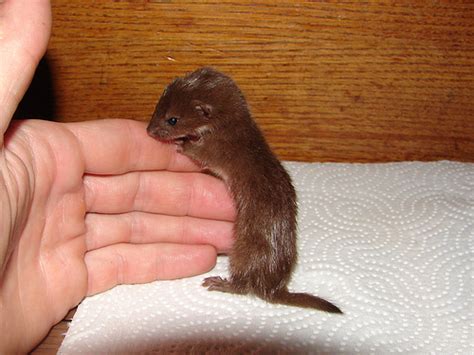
{"points": [[172, 121]]}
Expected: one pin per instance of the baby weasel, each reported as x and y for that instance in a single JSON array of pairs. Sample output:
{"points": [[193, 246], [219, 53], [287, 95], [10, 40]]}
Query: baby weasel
{"points": [[206, 115]]}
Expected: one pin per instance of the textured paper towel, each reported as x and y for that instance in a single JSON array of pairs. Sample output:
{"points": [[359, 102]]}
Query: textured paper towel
{"points": [[391, 244]]}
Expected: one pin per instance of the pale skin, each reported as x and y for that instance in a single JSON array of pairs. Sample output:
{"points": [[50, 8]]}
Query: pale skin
{"points": [[87, 206]]}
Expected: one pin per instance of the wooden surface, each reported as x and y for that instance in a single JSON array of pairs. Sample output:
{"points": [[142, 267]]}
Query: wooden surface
{"points": [[326, 82], [51, 344], [54, 339]]}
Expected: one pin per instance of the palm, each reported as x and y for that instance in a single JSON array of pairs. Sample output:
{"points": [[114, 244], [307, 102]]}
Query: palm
{"points": [[49, 256]]}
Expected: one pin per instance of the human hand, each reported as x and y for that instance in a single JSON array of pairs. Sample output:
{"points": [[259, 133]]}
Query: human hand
{"points": [[139, 214], [86, 206]]}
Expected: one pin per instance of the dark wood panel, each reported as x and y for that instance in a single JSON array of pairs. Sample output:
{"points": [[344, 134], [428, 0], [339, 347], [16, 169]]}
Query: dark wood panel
{"points": [[327, 82]]}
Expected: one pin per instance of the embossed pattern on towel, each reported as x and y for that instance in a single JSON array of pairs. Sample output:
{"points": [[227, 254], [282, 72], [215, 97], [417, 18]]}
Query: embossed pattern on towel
{"points": [[391, 244]]}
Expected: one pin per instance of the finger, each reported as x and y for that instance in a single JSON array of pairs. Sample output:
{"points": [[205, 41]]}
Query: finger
{"points": [[119, 146], [177, 194], [141, 228], [129, 264]]}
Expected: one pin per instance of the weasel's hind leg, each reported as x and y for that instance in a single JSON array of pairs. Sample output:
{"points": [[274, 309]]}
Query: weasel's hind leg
{"points": [[217, 283]]}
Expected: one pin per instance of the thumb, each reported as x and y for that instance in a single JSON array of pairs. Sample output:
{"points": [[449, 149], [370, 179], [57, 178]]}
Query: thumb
{"points": [[25, 27]]}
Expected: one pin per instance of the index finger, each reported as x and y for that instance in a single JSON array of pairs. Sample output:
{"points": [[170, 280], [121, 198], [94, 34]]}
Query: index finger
{"points": [[117, 146]]}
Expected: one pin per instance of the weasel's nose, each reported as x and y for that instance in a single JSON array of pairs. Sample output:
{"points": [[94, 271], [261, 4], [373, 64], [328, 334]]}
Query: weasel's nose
{"points": [[157, 132], [152, 130]]}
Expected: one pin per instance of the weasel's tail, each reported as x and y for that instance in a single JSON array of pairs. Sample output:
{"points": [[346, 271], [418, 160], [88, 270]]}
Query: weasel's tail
{"points": [[303, 300]]}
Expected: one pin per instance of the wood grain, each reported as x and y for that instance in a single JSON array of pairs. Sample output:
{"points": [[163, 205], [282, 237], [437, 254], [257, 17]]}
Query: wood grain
{"points": [[326, 81], [50, 345], [53, 341]]}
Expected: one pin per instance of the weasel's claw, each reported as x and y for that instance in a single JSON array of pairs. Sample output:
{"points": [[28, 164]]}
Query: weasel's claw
{"points": [[215, 283]]}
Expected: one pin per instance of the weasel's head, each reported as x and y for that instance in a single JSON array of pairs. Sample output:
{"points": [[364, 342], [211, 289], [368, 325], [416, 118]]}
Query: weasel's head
{"points": [[191, 107], [180, 121]]}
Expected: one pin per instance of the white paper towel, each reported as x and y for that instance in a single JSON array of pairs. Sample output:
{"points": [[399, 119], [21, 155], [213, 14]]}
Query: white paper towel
{"points": [[390, 244]]}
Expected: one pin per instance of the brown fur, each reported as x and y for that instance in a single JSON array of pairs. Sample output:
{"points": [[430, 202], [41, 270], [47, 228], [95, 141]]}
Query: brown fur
{"points": [[214, 127]]}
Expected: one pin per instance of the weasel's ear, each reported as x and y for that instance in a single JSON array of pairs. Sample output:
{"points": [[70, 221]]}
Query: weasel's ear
{"points": [[203, 109]]}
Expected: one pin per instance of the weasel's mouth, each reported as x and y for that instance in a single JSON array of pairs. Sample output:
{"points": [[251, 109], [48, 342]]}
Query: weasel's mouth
{"points": [[165, 136], [181, 139]]}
